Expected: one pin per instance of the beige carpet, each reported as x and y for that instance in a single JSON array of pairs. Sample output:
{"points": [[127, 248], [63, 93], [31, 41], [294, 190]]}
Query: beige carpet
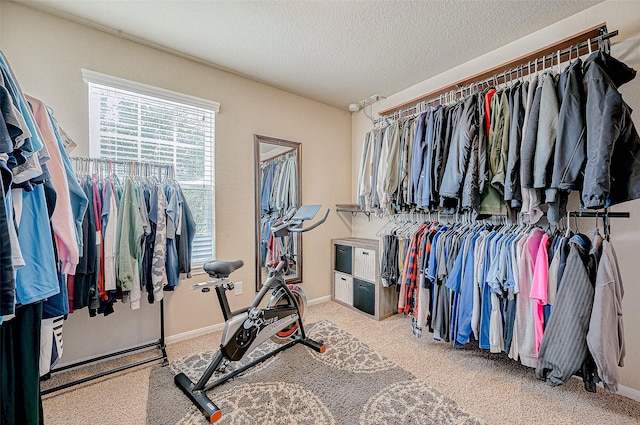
{"points": [[490, 388], [348, 384]]}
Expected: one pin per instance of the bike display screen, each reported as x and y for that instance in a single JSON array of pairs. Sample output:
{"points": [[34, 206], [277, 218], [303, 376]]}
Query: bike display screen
{"points": [[306, 212]]}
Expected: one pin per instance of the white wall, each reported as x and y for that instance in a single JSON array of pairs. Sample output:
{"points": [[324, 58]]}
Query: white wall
{"points": [[47, 54], [619, 15]]}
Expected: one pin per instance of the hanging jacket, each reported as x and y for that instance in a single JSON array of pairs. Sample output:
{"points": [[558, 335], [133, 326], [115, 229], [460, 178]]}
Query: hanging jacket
{"points": [[364, 173], [530, 134], [427, 184], [570, 150], [512, 177], [606, 332], [564, 346], [463, 137], [471, 194], [499, 139], [448, 147], [417, 156], [612, 138], [424, 179], [546, 135], [484, 115], [439, 155], [377, 151]]}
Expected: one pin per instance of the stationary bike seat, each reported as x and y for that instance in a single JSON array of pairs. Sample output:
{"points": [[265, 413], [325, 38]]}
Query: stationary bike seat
{"points": [[220, 269]]}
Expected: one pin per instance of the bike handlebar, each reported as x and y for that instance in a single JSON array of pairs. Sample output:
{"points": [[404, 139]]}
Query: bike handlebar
{"points": [[313, 226]]}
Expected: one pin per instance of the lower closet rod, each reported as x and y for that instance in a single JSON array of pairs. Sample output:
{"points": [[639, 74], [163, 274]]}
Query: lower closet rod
{"points": [[160, 344]]}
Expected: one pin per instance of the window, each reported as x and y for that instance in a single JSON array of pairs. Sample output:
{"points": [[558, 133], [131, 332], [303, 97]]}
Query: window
{"points": [[134, 122]]}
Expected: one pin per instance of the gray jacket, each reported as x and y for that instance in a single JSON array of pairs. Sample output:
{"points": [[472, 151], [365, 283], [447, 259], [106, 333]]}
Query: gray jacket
{"points": [[528, 146], [512, 179], [570, 152], [606, 332], [464, 136], [612, 172]]}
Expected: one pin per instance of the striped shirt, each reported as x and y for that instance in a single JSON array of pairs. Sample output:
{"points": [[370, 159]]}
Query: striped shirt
{"points": [[563, 350]]}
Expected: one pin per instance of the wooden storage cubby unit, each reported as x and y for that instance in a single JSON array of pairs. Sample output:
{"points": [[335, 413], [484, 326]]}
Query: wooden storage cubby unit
{"points": [[356, 278]]}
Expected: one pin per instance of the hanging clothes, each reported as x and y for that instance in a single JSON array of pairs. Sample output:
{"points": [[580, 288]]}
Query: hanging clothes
{"points": [[531, 139], [66, 243], [613, 145], [514, 289], [605, 337], [564, 348]]}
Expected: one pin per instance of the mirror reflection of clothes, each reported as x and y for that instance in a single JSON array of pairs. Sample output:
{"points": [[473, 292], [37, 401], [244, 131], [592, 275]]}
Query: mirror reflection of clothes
{"points": [[278, 194]]}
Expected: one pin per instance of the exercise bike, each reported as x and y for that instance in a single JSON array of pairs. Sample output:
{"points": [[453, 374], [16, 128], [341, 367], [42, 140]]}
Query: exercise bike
{"points": [[247, 328]]}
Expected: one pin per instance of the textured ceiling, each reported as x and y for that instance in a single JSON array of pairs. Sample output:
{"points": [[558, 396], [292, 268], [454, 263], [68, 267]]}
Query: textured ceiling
{"points": [[336, 52]]}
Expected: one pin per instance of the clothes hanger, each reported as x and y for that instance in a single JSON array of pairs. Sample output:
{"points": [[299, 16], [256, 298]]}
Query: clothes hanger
{"points": [[567, 233], [383, 229], [597, 231]]}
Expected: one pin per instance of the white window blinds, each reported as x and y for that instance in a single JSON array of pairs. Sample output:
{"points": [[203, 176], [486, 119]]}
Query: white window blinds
{"points": [[131, 124]]}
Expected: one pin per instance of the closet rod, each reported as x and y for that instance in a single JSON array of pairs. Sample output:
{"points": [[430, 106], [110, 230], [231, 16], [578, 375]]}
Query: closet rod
{"points": [[594, 214], [147, 166], [520, 65], [278, 156]]}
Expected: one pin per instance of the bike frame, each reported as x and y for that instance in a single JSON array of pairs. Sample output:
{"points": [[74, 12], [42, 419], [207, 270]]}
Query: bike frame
{"points": [[231, 348]]}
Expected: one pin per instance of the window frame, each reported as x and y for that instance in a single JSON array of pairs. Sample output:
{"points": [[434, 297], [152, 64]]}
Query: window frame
{"points": [[93, 77]]}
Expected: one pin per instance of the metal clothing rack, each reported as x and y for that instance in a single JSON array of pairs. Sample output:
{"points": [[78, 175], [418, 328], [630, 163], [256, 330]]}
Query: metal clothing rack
{"points": [[159, 344], [99, 166]]}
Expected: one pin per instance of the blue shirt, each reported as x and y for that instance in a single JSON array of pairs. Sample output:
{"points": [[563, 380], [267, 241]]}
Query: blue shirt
{"points": [[485, 310], [38, 279], [78, 198], [454, 283], [465, 308], [433, 256]]}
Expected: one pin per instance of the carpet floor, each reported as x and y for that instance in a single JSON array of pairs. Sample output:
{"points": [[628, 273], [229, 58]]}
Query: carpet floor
{"points": [[348, 384], [473, 384]]}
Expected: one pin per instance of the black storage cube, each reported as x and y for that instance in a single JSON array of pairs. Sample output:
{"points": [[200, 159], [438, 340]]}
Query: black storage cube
{"points": [[343, 259], [364, 296]]}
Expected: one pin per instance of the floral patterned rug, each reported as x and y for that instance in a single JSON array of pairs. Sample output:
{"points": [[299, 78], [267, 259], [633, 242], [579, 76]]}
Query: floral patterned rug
{"points": [[348, 384]]}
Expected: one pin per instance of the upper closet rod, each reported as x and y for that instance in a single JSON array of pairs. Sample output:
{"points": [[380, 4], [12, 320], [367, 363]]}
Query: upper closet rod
{"points": [[136, 167], [279, 156], [576, 44]]}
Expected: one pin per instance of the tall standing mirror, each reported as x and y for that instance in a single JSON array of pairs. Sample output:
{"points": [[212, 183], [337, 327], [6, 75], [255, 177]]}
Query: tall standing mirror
{"points": [[277, 186]]}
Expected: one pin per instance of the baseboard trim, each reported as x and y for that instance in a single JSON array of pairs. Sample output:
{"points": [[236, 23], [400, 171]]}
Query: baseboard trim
{"points": [[624, 391], [629, 392], [320, 300], [218, 326], [193, 333]]}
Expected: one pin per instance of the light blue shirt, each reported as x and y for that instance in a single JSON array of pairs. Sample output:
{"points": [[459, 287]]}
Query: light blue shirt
{"points": [[38, 279]]}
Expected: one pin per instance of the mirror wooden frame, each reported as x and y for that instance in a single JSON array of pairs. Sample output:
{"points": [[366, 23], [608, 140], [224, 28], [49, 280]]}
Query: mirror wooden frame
{"points": [[297, 147]]}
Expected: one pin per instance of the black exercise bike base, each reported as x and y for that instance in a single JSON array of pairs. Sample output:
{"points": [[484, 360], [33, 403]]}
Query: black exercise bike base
{"points": [[199, 397]]}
